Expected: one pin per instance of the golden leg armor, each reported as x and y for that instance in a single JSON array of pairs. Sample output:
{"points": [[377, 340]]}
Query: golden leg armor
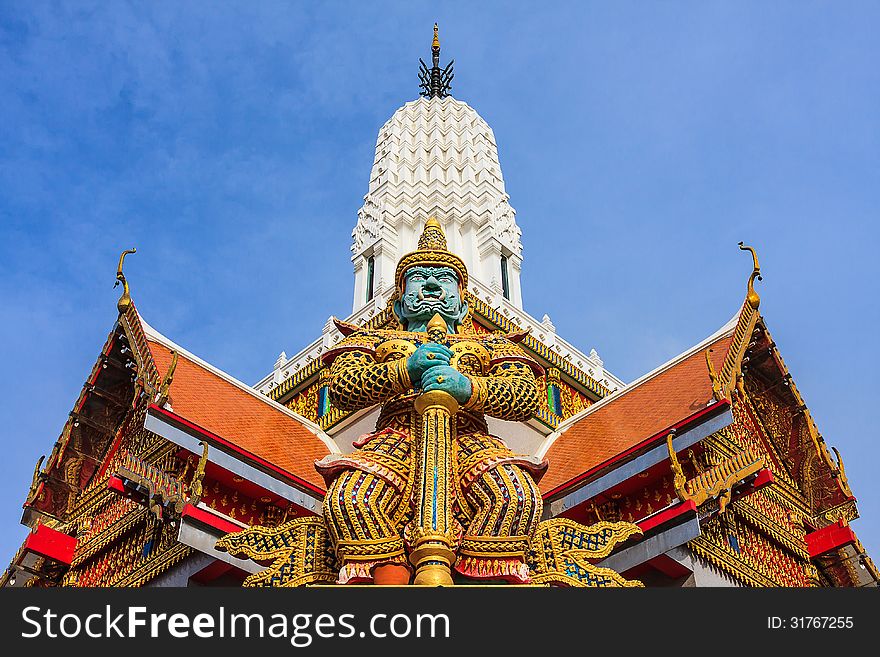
{"points": [[508, 508], [356, 510]]}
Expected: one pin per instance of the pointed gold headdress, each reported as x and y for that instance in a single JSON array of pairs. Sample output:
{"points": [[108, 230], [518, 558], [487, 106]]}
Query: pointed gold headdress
{"points": [[431, 252]]}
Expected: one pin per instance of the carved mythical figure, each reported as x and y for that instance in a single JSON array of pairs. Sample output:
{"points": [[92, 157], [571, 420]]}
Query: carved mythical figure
{"points": [[431, 490], [496, 504]]}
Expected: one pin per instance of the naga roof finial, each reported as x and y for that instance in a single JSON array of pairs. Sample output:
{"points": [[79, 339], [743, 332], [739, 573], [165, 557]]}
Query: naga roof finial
{"points": [[195, 486], [435, 82], [717, 392], [679, 480], [165, 386], [841, 471], [752, 296]]}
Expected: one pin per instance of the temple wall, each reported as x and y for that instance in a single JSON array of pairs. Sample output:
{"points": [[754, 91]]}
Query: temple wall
{"points": [[351, 432], [521, 437]]}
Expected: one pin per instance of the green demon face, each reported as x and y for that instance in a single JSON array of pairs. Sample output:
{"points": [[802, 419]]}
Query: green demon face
{"points": [[430, 290]]}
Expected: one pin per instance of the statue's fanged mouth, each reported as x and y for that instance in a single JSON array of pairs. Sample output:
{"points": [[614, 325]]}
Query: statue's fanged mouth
{"points": [[439, 295]]}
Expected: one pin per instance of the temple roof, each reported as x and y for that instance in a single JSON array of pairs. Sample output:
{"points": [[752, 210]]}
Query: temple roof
{"points": [[236, 413], [636, 415]]}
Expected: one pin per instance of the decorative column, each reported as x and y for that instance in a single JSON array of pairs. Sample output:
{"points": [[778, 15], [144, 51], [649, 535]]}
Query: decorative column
{"points": [[432, 531]]}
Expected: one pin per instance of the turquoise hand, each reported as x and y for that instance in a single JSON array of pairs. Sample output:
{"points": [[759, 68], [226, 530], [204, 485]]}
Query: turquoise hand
{"points": [[448, 379], [426, 356]]}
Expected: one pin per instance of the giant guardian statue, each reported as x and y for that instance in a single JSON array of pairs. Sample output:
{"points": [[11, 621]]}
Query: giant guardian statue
{"points": [[431, 496]]}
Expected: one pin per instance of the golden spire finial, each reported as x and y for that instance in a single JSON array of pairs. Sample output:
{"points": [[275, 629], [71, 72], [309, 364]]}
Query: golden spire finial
{"points": [[435, 82], [125, 300], [752, 296]]}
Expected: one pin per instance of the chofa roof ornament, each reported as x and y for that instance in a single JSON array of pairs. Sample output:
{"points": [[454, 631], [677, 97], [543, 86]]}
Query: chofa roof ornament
{"points": [[752, 297], [125, 300]]}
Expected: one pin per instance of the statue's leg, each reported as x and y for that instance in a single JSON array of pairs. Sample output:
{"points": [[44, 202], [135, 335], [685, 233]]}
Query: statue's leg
{"points": [[507, 507], [358, 510]]}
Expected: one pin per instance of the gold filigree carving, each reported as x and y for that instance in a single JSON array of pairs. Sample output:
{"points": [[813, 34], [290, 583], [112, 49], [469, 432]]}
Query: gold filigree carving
{"points": [[846, 512], [562, 551], [394, 349], [299, 553], [470, 358], [716, 482]]}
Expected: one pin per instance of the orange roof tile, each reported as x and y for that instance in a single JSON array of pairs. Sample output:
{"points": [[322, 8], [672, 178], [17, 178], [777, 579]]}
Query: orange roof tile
{"points": [[636, 413], [208, 400]]}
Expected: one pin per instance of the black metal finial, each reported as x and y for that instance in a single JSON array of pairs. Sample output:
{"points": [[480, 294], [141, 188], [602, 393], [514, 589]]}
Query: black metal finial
{"points": [[435, 82]]}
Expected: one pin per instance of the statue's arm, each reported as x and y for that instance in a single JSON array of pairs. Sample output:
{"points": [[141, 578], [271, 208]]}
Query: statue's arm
{"points": [[509, 392], [358, 381]]}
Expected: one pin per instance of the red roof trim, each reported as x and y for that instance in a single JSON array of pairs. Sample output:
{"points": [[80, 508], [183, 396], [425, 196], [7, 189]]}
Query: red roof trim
{"points": [[210, 519], [51, 543], [693, 419], [667, 515], [822, 541], [194, 428], [115, 484]]}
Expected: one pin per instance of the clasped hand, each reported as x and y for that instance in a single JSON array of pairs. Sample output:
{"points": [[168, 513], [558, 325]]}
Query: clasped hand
{"points": [[429, 369]]}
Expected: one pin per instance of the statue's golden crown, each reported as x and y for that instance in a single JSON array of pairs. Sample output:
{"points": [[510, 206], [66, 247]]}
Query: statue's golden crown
{"points": [[431, 252]]}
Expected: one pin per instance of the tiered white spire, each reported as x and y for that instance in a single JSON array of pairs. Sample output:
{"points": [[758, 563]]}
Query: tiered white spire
{"points": [[436, 157]]}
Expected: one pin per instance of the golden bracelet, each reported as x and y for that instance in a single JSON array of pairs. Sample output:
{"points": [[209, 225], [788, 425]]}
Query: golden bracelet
{"points": [[400, 381], [479, 394]]}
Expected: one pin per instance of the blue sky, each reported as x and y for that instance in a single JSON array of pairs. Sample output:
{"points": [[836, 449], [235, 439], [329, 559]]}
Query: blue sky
{"points": [[231, 143]]}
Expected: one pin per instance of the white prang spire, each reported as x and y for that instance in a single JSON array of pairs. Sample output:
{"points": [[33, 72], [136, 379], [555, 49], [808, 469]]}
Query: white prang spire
{"points": [[436, 157]]}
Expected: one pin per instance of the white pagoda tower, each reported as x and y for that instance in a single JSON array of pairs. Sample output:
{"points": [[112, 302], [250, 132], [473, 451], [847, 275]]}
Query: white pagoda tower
{"points": [[436, 157]]}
